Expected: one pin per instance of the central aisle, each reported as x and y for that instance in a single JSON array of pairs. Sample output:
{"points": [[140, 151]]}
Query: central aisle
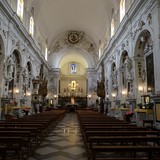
{"points": [[64, 143]]}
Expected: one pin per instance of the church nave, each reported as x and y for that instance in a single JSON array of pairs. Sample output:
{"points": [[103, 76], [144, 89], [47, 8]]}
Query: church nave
{"points": [[63, 143]]}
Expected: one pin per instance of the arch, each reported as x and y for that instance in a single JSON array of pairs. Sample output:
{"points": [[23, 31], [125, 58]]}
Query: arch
{"points": [[113, 66], [145, 61], [122, 57], [86, 58], [141, 40], [29, 66], [145, 28], [15, 49], [18, 56]]}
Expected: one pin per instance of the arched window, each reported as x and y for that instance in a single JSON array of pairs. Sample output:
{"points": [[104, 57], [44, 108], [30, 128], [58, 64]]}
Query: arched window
{"points": [[122, 9], [112, 27], [20, 5], [99, 53], [31, 26], [100, 49], [73, 68], [46, 54]]}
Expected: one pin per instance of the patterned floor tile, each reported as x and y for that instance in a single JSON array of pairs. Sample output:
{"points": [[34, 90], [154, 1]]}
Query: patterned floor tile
{"points": [[75, 150], [46, 150], [44, 143], [53, 138], [58, 158], [64, 143]]}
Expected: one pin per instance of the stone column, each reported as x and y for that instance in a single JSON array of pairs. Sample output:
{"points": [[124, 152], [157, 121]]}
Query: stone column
{"points": [[156, 46], [56, 75], [91, 85]]}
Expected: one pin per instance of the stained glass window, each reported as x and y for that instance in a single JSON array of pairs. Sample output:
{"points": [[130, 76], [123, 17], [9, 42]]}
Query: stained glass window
{"points": [[31, 26], [73, 68], [20, 5]]}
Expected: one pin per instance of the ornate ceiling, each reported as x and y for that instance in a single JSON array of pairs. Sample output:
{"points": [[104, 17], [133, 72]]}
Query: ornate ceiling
{"points": [[55, 17]]}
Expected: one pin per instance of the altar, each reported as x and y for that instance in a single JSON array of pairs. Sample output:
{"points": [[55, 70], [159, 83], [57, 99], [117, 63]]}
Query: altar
{"points": [[72, 107]]}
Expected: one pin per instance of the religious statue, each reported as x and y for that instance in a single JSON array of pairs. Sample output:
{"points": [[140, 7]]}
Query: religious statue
{"points": [[9, 68], [128, 67], [43, 88], [114, 78], [25, 77], [101, 86], [143, 75]]}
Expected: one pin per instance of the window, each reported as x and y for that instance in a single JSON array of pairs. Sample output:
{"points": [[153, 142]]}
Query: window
{"points": [[99, 53], [46, 54], [122, 9], [31, 26], [73, 68], [20, 5], [112, 27], [100, 49]]}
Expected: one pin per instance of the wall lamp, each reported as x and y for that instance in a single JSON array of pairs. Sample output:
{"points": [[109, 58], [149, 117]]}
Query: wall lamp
{"points": [[89, 96], [16, 90], [28, 94], [124, 92], [55, 97], [140, 88], [113, 95]]}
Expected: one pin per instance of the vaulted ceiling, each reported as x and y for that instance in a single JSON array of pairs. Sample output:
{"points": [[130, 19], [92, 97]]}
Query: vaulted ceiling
{"points": [[55, 18], [58, 16]]}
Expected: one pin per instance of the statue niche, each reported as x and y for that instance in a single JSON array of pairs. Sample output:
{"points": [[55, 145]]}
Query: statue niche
{"points": [[101, 90], [43, 83], [101, 86], [43, 88]]}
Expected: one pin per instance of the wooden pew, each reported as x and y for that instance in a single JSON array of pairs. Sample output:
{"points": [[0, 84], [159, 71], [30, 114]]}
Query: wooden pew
{"points": [[117, 128], [126, 149], [96, 126], [30, 127], [120, 133], [35, 134], [3, 152], [129, 158], [93, 124], [89, 134], [132, 140], [20, 145], [39, 134]]}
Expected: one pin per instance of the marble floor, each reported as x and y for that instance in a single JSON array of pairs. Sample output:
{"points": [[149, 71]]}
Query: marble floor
{"points": [[64, 143]]}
